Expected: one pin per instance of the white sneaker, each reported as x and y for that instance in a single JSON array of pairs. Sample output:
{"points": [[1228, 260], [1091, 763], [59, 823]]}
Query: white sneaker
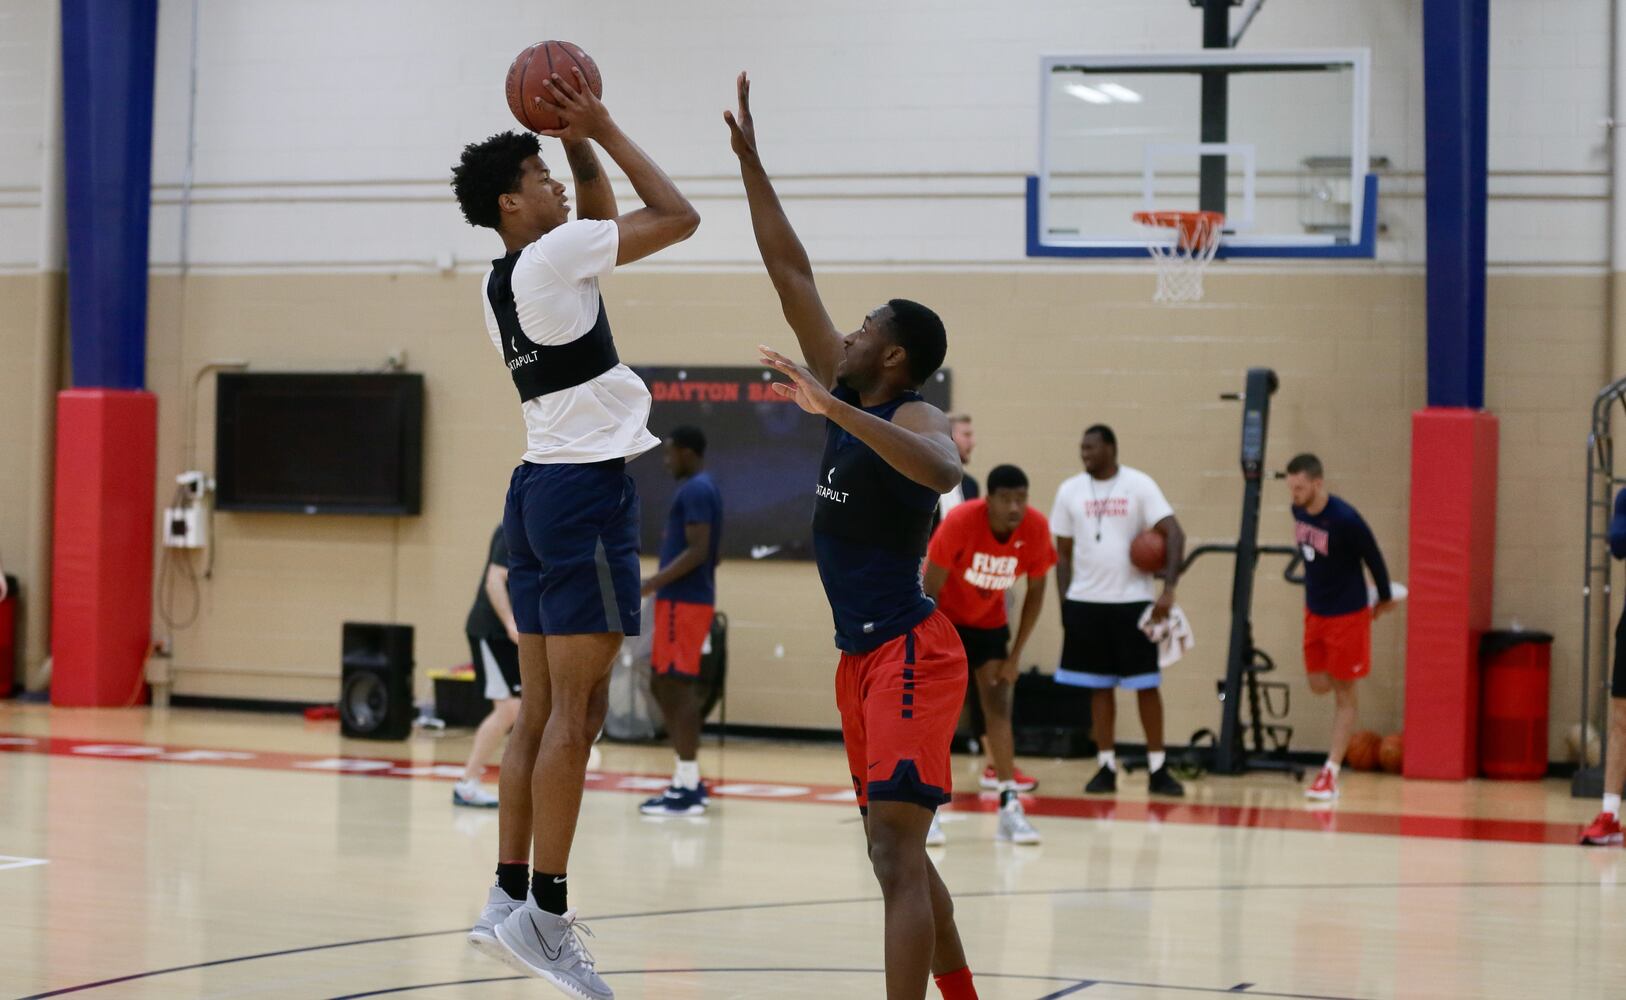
{"points": [[484, 935], [549, 947], [469, 793], [934, 835], [1014, 826]]}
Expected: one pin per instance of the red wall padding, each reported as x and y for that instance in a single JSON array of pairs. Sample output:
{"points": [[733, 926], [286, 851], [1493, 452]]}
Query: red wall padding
{"points": [[1452, 563], [101, 559]]}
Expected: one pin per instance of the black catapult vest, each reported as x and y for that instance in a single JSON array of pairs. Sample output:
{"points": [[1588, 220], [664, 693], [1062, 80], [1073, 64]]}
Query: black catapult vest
{"points": [[539, 370]]}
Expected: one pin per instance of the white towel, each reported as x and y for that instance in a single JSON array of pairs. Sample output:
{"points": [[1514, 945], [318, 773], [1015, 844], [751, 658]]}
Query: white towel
{"points": [[1397, 592], [1173, 635]]}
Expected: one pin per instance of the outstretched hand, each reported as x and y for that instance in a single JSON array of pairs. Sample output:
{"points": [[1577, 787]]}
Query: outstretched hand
{"points": [[803, 386], [742, 130], [584, 115]]}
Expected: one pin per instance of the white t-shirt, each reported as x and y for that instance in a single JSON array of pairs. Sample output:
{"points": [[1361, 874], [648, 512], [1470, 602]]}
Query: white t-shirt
{"points": [[1117, 510], [555, 286]]}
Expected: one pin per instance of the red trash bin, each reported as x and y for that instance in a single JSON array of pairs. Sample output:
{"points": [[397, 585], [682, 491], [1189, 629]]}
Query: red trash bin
{"points": [[1513, 701], [8, 638]]}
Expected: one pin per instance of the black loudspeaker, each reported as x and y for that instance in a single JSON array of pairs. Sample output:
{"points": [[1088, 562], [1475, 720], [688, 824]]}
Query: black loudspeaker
{"points": [[375, 693], [1050, 719]]}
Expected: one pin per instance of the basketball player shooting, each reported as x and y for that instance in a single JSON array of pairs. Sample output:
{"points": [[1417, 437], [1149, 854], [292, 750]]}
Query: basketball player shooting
{"points": [[888, 457], [571, 518]]}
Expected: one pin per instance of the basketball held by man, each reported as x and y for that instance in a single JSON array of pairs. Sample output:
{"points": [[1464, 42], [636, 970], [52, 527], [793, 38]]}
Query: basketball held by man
{"points": [[571, 516], [1096, 518]]}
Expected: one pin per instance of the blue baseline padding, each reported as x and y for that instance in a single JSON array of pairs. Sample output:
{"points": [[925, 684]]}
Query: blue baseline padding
{"points": [[1456, 45], [108, 53], [1367, 248]]}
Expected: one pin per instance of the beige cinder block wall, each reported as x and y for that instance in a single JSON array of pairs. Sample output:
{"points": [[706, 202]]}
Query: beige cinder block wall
{"points": [[1037, 356]]}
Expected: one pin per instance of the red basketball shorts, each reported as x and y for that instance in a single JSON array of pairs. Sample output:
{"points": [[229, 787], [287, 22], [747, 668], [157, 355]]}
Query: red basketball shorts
{"points": [[1338, 645], [899, 704], [680, 634]]}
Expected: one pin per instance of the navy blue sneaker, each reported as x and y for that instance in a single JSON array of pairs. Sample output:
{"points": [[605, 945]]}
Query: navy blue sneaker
{"points": [[675, 801]]}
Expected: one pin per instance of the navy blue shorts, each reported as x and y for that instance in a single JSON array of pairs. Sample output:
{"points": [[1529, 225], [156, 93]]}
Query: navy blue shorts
{"points": [[572, 534]]}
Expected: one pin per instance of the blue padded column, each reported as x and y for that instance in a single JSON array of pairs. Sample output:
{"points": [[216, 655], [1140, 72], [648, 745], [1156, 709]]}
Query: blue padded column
{"points": [[1456, 44], [108, 53]]}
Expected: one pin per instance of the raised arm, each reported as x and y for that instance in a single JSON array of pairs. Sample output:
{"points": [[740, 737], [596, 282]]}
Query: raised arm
{"points": [[915, 441], [595, 198], [782, 252], [667, 217]]}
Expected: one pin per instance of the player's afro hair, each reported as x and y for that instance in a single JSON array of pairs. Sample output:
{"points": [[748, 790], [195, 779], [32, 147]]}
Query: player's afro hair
{"points": [[488, 169]]}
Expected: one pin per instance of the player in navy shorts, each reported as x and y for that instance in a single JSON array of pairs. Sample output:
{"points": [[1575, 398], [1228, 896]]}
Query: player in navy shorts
{"points": [[571, 519], [888, 457]]}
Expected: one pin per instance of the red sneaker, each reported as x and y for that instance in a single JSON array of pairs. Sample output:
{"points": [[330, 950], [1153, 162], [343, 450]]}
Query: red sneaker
{"points": [[1603, 831], [1324, 788], [1024, 782]]}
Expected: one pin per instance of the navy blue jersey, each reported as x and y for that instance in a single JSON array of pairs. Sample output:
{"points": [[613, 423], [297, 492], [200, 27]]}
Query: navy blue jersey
{"points": [[870, 525], [1617, 527], [1335, 543], [482, 622], [697, 502]]}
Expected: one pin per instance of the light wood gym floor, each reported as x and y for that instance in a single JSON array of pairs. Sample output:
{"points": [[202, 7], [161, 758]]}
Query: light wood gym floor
{"points": [[187, 853]]}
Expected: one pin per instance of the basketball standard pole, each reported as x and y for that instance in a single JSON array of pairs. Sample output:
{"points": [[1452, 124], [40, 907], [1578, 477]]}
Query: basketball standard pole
{"points": [[1230, 757], [1215, 105]]}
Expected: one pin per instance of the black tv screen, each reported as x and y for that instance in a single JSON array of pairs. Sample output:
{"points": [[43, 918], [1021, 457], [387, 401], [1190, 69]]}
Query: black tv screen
{"points": [[761, 449], [319, 443]]}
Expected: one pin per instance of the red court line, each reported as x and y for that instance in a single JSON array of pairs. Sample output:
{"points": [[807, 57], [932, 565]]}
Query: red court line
{"points": [[1310, 819]]}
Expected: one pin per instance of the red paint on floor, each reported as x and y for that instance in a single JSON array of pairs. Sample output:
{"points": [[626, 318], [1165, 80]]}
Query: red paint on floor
{"points": [[1313, 818]]}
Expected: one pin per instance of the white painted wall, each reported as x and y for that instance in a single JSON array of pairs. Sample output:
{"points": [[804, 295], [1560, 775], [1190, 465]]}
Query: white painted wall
{"points": [[902, 130]]}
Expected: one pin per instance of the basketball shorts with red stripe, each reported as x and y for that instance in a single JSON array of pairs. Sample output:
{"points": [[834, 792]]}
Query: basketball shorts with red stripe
{"points": [[899, 704], [681, 628], [1338, 645]]}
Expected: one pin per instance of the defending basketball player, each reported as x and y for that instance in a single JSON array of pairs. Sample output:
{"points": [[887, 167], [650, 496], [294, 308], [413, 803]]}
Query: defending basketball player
{"points": [[888, 457], [1335, 542], [571, 518]]}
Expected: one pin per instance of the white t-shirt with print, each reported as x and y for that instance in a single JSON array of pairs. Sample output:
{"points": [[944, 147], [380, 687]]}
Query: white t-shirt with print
{"points": [[555, 286], [1117, 509]]}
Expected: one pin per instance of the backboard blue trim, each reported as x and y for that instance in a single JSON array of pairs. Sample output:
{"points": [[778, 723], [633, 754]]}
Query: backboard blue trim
{"points": [[1365, 249]]}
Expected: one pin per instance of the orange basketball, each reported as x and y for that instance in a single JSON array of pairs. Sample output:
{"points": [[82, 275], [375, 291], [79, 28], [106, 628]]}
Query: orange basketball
{"points": [[1362, 754], [1391, 753], [533, 68], [1148, 551]]}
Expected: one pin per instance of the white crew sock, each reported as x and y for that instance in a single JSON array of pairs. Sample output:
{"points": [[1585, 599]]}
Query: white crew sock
{"points": [[1155, 760], [1330, 766], [1107, 759], [1611, 804], [687, 775]]}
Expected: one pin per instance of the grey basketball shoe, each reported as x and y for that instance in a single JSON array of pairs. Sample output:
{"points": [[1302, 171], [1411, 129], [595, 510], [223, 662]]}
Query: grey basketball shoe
{"points": [[484, 935], [1014, 826], [546, 945]]}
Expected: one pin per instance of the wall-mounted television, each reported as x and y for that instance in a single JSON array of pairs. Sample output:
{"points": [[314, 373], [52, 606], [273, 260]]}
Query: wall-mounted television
{"points": [[319, 443]]}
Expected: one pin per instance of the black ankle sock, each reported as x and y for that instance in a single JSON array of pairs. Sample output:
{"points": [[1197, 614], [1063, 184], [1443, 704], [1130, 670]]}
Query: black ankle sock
{"points": [[549, 891], [511, 878], [1006, 797]]}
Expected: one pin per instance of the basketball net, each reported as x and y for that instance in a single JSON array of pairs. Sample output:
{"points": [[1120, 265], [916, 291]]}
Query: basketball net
{"points": [[1181, 260]]}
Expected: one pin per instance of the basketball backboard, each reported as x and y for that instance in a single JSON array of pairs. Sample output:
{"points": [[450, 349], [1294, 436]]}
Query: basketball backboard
{"points": [[1275, 140]]}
